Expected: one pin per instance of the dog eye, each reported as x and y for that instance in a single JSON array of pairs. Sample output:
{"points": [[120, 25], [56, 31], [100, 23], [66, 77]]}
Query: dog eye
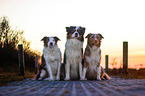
{"points": [[71, 32], [92, 37]]}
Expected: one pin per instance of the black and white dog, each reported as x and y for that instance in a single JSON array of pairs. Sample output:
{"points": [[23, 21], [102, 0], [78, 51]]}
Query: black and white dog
{"points": [[74, 52], [51, 60]]}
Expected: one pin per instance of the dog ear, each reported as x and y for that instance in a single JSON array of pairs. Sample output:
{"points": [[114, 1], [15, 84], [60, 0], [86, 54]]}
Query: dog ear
{"points": [[101, 36], [88, 36], [67, 29], [82, 30], [70, 29], [56, 38], [44, 38]]}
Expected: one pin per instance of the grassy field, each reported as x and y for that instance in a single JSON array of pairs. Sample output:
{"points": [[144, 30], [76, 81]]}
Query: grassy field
{"points": [[132, 73]]}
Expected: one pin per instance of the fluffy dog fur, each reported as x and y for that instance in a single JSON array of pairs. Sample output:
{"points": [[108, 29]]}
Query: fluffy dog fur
{"points": [[51, 60], [73, 52], [92, 59]]}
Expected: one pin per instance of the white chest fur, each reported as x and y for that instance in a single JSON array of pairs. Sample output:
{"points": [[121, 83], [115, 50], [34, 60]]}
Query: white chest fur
{"points": [[52, 57], [94, 58], [73, 50], [51, 54]]}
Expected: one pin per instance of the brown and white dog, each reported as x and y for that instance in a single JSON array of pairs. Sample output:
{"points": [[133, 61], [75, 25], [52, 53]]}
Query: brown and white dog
{"points": [[51, 60], [73, 52], [92, 59]]}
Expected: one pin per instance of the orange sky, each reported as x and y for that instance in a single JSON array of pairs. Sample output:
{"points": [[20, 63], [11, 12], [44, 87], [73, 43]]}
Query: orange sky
{"points": [[116, 20]]}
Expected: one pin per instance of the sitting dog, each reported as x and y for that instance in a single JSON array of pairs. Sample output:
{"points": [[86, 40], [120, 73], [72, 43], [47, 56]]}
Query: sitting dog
{"points": [[73, 52], [51, 60], [92, 59]]}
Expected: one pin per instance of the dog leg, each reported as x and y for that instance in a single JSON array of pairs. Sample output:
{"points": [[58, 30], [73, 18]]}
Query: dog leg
{"points": [[80, 69], [36, 76], [107, 76], [67, 68], [84, 74], [49, 71], [43, 72], [98, 73], [58, 72], [48, 78]]}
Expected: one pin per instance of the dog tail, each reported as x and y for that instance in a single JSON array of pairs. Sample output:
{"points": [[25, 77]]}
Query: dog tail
{"points": [[106, 76]]}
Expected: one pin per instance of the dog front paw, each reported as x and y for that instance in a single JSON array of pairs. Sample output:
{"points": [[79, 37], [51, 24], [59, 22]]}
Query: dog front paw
{"points": [[57, 78], [47, 78], [66, 79], [83, 79], [51, 79], [39, 79], [98, 78]]}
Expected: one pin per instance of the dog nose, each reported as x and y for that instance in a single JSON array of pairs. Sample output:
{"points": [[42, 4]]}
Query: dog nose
{"points": [[95, 41], [76, 34], [51, 43]]}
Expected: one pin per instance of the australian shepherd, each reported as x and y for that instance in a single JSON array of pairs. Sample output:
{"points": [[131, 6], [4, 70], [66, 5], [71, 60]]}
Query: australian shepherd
{"points": [[73, 52], [92, 59], [51, 60]]}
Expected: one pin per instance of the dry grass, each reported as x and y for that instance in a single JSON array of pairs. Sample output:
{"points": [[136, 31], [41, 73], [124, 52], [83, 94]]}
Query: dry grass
{"points": [[9, 77], [135, 74], [132, 73]]}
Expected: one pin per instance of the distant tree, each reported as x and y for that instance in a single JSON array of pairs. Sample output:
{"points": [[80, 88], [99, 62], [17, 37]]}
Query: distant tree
{"points": [[4, 29], [9, 37], [9, 40]]}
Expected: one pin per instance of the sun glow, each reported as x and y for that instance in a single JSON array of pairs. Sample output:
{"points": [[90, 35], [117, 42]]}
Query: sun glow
{"points": [[116, 20]]}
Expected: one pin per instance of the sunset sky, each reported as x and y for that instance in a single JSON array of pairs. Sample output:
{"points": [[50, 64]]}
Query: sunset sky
{"points": [[116, 20]]}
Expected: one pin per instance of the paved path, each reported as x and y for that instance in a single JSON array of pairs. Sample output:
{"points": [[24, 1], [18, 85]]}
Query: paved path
{"points": [[113, 87]]}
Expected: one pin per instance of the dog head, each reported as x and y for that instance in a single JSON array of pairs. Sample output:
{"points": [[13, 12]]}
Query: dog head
{"points": [[50, 41], [94, 39], [75, 32]]}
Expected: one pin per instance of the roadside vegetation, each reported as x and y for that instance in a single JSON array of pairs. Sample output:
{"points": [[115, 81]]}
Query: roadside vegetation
{"points": [[9, 40], [138, 73]]}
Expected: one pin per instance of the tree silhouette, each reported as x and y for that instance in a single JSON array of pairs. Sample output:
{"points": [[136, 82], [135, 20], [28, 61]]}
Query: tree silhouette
{"points": [[9, 37], [4, 29], [9, 40]]}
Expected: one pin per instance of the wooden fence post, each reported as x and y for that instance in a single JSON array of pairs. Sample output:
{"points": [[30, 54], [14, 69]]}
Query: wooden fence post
{"points": [[21, 60], [125, 57], [106, 63], [36, 64]]}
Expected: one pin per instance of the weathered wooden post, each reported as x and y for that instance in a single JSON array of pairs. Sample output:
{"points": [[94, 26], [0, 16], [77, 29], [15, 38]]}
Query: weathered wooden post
{"points": [[125, 57], [21, 60], [106, 63], [36, 64]]}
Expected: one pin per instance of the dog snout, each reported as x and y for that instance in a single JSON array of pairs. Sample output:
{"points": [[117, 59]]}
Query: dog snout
{"points": [[95, 41], [51, 43], [76, 34]]}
